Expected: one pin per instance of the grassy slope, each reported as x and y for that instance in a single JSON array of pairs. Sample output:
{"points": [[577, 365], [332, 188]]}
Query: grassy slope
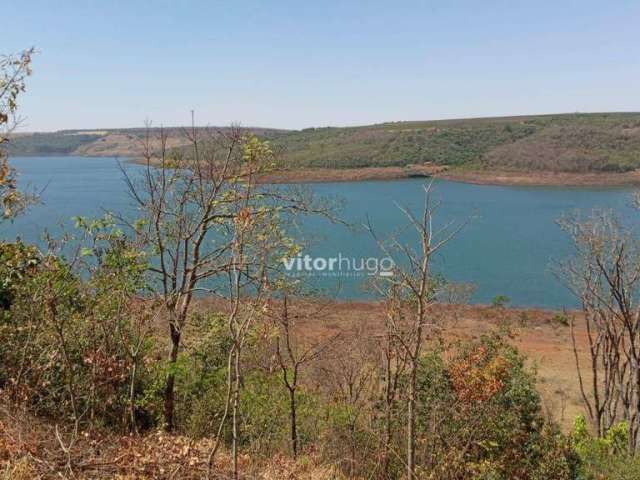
{"points": [[571, 143], [598, 142]]}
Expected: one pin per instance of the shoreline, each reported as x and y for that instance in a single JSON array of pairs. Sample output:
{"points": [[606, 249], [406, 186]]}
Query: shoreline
{"points": [[330, 175], [541, 313], [498, 178], [544, 179], [474, 177]]}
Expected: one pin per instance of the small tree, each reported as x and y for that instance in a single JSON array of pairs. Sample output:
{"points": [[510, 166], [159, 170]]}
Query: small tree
{"points": [[188, 203], [294, 351], [394, 363], [210, 227], [13, 72], [346, 372], [410, 294]]}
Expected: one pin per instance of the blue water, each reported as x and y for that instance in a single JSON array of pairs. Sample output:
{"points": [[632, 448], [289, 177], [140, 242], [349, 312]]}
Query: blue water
{"points": [[507, 247]]}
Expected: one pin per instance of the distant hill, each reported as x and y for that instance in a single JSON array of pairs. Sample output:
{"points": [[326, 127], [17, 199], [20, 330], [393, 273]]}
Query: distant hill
{"points": [[105, 142], [580, 143]]}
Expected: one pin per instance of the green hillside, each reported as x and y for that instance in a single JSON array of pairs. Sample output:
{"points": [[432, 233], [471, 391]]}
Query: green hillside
{"points": [[594, 142], [572, 142], [54, 143]]}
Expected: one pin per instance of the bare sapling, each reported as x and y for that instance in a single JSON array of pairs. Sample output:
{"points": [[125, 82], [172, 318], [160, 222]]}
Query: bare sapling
{"points": [[604, 274], [410, 294]]}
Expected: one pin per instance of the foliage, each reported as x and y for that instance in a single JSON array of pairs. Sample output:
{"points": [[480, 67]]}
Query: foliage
{"points": [[607, 457], [478, 413], [44, 144], [603, 275], [500, 301], [210, 228], [485, 418], [13, 73], [202, 387], [17, 261], [70, 343], [561, 319]]}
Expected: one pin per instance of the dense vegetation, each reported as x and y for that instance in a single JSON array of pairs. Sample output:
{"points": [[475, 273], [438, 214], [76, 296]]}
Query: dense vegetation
{"points": [[50, 143], [84, 351], [575, 142], [69, 348], [607, 142]]}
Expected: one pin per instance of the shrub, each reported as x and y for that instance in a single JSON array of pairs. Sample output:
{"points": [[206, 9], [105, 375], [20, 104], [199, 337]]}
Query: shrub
{"points": [[17, 261], [605, 458], [480, 417], [72, 335], [561, 319], [500, 301]]}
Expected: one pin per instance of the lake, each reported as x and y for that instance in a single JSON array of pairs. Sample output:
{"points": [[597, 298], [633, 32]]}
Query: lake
{"points": [[507, 248]]}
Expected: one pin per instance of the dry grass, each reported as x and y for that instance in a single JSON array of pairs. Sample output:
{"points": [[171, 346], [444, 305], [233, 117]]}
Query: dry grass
{"points": [[29, 450], [536, 333]]}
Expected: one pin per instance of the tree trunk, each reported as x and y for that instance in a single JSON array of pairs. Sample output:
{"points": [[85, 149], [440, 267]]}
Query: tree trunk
{"points": [[386, 464], [294, 425], [132, 395], [236, 406], [171, 378], [411, 440], [388, 400]]}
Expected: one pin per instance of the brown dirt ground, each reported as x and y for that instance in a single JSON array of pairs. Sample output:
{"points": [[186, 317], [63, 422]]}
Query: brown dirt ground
{"points": [[540, 178], [537, 333], [559, 179], [315, 175], [427, 170]]}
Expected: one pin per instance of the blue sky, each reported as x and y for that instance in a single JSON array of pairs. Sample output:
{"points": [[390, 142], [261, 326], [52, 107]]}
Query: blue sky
{"points": [[296, 64]]}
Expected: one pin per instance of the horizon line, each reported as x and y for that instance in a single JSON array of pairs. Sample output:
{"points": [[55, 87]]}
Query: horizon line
{"points": [[254, 127]]}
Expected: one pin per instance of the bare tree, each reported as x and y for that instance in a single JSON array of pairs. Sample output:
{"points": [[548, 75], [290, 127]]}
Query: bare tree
{"points": [[293, 350], [133, 337], [182, 203], [394, 365], [413, 290], [212, 228], [257, 240], [604, 274], [347, 373]]}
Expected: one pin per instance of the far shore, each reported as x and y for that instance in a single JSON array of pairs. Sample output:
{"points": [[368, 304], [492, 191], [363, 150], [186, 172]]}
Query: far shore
{"points": [[319, 175], [557, 179], [533, 179], [478, 177]]}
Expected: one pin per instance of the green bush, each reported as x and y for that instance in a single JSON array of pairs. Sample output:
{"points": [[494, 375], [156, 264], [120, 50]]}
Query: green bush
{"points": [[500, 301], [605, 458], [201, 375], [480, 417], [68, 331]]}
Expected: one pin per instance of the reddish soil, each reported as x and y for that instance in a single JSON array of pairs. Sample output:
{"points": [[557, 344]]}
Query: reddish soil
{"points": [[542, 335], [539, 334], [559, 179], [316, 175]]}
